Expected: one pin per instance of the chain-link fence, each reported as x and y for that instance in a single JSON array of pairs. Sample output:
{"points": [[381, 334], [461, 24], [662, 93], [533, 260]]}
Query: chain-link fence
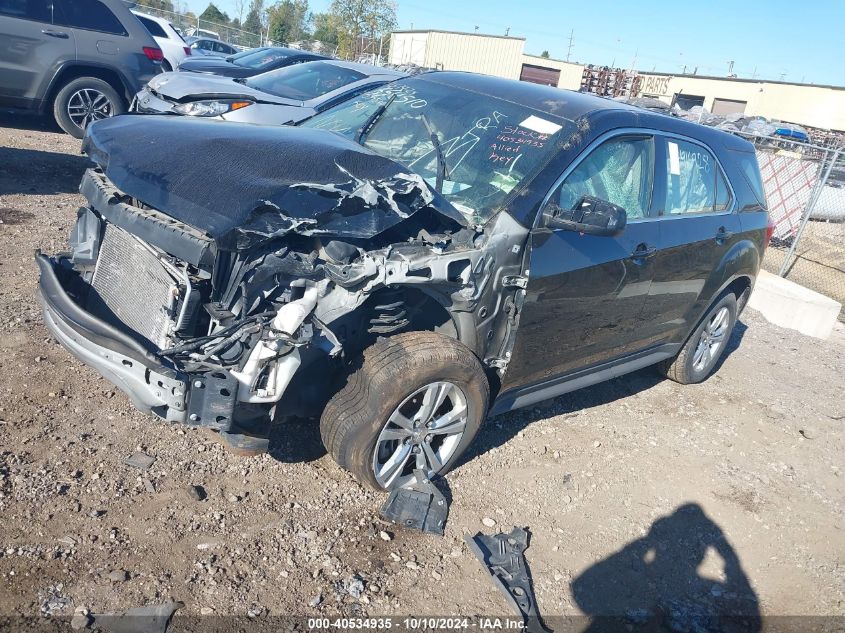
{"points": [[805, 189], [190, 25]]}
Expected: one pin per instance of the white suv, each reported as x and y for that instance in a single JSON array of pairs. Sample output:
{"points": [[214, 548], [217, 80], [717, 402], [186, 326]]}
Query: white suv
{"points": [[164, 33]]}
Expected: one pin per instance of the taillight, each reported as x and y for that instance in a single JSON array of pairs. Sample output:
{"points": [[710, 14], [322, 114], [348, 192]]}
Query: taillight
{"points": [[770, 231], [187, 50], [153, 54]]}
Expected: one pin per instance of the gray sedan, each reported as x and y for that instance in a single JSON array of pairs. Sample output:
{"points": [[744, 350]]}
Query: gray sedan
{"points": [[284, 96]]}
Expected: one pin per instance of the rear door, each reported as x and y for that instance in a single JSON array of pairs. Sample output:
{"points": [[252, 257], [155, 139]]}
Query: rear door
{"points": [[698, 226], [32, 49], [99, 33], [585, 293]]}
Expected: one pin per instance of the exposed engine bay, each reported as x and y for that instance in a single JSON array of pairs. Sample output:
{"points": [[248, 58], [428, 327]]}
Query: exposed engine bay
{"points": [[260, 306]]}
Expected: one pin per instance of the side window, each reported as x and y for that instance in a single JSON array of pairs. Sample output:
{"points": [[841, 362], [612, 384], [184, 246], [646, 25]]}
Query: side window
{"points": [[38, 10], [694, 182], [91, 15], [153, 28], [618, 171], [220, 47], [206, 45]]}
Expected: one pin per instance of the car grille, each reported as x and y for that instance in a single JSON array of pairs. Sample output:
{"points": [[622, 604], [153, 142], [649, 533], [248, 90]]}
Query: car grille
{"points": [[132, 288]]}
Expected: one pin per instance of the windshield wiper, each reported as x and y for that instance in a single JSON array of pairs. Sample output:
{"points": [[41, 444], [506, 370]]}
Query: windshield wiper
{"points": [[441, 158], [370, 123]]}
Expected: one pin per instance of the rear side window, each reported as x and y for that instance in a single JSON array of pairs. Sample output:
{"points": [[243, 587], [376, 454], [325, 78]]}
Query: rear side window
{"points": [[304, 81], [751, 170], [618, 171], [694, 181], [91, 15], [154, 28], [220, 47], [38, 10]]}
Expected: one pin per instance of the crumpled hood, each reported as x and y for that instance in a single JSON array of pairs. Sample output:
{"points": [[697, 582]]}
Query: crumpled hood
{"points": [[194, 86], [243, 184], [216, 66]]}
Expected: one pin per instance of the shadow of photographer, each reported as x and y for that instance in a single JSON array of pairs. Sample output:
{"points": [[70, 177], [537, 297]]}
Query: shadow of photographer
{"points": [[653, 583]]}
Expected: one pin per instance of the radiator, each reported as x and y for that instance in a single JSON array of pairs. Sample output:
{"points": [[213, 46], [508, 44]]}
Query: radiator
{"points": [[131, 287]]}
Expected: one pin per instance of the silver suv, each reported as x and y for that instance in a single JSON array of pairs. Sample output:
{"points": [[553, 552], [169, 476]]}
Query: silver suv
{"points": [[82, 58]]}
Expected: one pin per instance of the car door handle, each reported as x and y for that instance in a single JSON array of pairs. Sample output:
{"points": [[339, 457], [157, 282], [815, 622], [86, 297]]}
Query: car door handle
{"points": [[723, 234], [60, 34], [643, 251]]}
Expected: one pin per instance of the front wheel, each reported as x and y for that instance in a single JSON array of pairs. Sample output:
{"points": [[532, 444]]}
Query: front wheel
{"points": [[83, 101], [416, 402], [705, 346]]}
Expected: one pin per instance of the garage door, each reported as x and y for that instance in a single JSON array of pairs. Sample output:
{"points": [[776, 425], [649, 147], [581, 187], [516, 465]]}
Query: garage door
{"points": [[728, 106], [685, 102], [539, 75]]}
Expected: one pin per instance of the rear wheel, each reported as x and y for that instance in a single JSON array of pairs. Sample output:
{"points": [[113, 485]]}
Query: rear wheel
{"points": [[705, 346], [416, 402], [83, 101]]}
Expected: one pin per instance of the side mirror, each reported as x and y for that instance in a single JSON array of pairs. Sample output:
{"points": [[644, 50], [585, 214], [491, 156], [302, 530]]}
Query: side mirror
{"points": [[589, 215]]}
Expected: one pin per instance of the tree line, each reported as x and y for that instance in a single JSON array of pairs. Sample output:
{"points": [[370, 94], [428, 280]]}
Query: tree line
{"points": [[349, 26]]}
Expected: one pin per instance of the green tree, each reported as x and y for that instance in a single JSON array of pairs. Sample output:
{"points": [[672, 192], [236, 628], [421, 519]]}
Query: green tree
{"points": [[325, 28], [545, 54], [288, 20], [357, 19], [254, 17], [213, 14], [161, 5]]}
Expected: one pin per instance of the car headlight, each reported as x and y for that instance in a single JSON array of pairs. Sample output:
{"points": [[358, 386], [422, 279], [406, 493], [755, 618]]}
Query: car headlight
{"points": [[210, 108]]}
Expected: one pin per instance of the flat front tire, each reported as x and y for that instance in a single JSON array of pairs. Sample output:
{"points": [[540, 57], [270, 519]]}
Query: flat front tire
{"points": [[416, 401], [705, 346], [85, 100]]}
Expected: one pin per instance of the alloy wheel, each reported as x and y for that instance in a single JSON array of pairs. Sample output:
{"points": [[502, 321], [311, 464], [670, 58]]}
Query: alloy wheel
{"points": [[88, 105], [423, 433], [711, 340]]}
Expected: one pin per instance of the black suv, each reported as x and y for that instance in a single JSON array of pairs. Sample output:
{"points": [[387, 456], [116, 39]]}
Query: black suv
{"points": [[447, 247], [82, 59]]}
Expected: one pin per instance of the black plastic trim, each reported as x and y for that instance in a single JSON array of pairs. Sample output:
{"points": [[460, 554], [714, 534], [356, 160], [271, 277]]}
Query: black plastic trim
{"points": [[559, 385], [173, 237]]}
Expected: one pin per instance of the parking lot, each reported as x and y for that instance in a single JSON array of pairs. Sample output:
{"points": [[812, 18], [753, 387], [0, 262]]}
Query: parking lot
{"points": [[722, 496]]}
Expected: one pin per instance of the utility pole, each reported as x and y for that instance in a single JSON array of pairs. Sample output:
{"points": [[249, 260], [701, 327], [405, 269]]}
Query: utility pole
{"points": [[754, 74], [569, 49], [507, 31], [730, 68]]}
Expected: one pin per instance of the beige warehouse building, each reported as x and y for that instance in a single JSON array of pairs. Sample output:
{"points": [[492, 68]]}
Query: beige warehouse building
{"points": [[821, 107]]}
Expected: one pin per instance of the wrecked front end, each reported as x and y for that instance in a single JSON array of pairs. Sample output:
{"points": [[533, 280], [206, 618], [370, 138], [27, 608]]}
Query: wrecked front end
{"points": [[213, 295]]}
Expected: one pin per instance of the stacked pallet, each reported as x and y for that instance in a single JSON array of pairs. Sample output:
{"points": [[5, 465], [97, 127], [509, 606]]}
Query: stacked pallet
{"points": [[609, 82]]}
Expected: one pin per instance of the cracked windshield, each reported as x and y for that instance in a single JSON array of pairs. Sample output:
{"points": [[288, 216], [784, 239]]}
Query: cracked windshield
{"points": [[488, 145]]}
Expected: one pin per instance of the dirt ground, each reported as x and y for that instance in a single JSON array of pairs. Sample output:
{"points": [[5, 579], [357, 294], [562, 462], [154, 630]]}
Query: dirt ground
{"points": [[639, 493]]}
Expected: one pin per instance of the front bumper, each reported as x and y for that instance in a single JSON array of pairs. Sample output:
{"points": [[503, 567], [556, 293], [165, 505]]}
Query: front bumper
{"points": [[123, 361], [146, 102]]}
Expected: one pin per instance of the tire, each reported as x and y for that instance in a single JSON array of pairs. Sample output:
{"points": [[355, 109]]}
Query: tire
{"points": [[401, 378], [690, 366], [99, 97]]}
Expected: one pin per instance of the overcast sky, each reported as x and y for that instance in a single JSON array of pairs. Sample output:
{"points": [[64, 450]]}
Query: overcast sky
{"points": [[799, 41]]}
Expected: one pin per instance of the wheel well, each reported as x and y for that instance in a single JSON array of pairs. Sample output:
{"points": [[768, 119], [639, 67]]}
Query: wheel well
{"points": [[741, 288], [69, 73]]}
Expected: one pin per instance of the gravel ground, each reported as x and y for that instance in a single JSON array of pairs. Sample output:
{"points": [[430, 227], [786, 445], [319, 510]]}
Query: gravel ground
{"points": [[638, 492]]}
